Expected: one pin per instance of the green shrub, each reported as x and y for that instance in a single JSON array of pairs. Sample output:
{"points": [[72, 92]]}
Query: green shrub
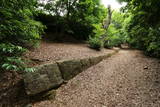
{"points": [[108, 44], [95, 43], [18, 30], [152, 42], [10, 58], [114, 41], [143, 26]]}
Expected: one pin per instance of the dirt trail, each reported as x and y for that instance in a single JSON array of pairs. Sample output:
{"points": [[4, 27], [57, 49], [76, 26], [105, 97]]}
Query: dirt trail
{"points": [[128, 79]]}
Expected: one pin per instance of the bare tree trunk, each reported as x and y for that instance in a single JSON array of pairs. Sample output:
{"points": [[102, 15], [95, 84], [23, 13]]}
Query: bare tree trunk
{"points": [[107, 22]]}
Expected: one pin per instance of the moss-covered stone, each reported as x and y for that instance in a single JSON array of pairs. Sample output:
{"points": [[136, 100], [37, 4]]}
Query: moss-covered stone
{"points": [[95, 60], [70, 68], [85, 63], [44, 78], [53, 73]]}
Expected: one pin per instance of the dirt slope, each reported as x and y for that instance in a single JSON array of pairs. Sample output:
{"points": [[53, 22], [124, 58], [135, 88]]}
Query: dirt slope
{"points": [[49, 52]]}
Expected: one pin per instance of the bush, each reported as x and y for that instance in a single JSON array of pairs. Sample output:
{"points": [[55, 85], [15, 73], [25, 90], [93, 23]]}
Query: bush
{"points": [[152, 42], [95, 43], [10, 58], [114, 41], [108, 45], [18, 30]]}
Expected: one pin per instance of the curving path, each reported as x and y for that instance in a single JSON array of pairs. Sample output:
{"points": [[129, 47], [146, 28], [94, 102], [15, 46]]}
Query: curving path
{"points": [[127, 79]]}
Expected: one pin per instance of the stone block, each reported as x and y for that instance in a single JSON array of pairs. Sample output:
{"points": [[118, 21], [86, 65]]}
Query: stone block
{"points": [[70, 68], [44, 78]]}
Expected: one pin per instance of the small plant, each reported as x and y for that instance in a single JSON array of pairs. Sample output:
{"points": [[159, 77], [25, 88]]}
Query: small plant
{"points": [[10, 59], [95, 43], [108, 45]]}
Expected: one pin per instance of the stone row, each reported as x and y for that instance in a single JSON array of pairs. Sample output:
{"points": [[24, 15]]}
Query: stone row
{"points": [[49, 76]]}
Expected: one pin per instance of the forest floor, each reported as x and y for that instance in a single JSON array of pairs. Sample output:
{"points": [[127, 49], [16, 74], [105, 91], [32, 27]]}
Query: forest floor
{"points": [[127, 79]]}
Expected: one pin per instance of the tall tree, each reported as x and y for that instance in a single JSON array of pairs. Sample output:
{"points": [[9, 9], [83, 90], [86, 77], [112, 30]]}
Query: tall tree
{"points": [[107, 22]]}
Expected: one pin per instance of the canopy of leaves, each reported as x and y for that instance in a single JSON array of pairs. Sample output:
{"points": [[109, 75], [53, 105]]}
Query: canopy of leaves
{"points": [[75, 16]]}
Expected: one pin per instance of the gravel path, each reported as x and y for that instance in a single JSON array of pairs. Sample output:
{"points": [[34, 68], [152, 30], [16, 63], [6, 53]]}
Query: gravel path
{"points": [[127, 79], [49, 52]]}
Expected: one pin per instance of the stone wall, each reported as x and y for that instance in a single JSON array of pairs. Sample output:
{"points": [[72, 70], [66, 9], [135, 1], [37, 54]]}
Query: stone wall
{"points": [[52, 75]]}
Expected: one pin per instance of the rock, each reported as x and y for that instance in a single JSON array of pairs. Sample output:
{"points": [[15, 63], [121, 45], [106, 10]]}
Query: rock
{"points": [[95, 60], [85, 63], [53, 72], [70, 68], [44, 78], [145, 67]]}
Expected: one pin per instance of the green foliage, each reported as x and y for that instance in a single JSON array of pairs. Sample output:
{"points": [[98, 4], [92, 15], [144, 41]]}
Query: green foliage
{"points": [[18, 29], [152, 42], [114, 41], [95, 43], [114, 35], [10, 58], [98, 30], [143, 26]]}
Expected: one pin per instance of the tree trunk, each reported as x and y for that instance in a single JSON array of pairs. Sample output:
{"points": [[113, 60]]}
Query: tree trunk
{"points": [[107, 22]]}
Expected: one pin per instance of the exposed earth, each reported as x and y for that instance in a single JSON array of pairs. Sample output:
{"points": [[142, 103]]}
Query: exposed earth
{"points": [[127, 79], [50, 52]]}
